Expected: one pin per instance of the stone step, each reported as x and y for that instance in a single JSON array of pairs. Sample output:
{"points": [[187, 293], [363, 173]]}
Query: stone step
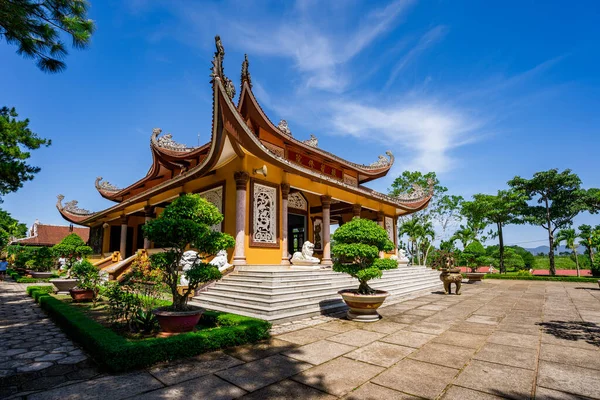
{"points": [[290, 280], [282, 290], [296, 310], [261, 298], [242, 300]]}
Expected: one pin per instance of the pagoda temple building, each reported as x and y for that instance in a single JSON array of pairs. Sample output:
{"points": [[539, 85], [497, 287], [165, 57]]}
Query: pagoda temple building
{"points": [[275, 191]]}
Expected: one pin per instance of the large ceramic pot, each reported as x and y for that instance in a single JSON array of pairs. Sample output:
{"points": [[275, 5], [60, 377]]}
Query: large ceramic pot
{"points": [[81, 295], [41, 275], [63, 286], [475, 277], [174, 322], [363, 307]]}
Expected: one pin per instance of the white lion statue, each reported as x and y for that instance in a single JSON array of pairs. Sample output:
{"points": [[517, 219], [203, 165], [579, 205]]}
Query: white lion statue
{"points": [[220, 261], [188, 260], [402, 255], [305, 257]]}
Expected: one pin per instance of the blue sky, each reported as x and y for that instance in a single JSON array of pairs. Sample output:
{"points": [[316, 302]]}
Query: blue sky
{"points": [[477, 91]]}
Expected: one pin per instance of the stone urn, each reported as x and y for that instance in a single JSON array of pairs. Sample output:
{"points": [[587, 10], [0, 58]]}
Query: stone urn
{"points": [[175, 322], [41, 275], [63, 286], [450, 276], [81, 295], [475, 277], [363, 307]]}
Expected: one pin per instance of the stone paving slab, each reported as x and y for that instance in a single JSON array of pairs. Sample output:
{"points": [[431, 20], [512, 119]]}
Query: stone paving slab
{"points": [[500, 339], [34, 353]]}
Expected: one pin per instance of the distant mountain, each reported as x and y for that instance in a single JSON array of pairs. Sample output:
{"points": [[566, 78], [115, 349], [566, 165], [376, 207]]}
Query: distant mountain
{"points": [[546, 249]]}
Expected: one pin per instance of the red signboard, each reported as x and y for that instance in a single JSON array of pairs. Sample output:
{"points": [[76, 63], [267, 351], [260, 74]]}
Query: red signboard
{"points": [[314, 164]]}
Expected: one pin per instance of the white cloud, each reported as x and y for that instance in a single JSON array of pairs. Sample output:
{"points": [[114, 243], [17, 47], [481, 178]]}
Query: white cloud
{"points": [[425, 132]]}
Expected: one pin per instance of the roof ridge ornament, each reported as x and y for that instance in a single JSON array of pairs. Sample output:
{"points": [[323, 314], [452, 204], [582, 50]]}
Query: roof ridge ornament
{"points": [[71, 206], [418, 192], [246, 72], [382, 161], [218, 71], [283, 127], [312, 142], [167, 142], [106, 186]]}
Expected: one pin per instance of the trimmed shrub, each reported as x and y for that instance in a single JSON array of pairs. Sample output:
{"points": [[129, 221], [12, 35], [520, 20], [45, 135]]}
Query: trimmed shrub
{"points": [[117, 354]]}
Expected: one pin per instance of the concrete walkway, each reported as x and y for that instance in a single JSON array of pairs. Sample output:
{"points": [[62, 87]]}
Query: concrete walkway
{"points": [[500, 339]]}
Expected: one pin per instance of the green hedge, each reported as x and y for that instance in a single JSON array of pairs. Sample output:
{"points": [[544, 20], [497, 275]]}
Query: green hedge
{"points": [[117, 353], [541, 278]]}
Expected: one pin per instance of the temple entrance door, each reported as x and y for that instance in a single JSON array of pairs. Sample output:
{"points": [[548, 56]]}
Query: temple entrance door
{"points": [[296, 232]]}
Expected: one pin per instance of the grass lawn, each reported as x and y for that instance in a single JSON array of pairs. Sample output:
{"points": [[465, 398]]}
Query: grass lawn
{"points": [[561, 262]]}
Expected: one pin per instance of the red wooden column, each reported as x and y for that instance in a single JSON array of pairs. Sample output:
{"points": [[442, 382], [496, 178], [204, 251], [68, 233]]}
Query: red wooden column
{"points": [[326, 203], [241, 184], [285, 191]]}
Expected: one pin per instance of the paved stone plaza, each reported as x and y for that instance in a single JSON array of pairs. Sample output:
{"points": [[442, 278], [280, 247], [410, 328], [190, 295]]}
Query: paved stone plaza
{"points": [[500, 339]]}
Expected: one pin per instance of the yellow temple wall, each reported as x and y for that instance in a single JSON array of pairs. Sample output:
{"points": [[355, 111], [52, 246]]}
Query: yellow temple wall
{"points": [[275, 175]]}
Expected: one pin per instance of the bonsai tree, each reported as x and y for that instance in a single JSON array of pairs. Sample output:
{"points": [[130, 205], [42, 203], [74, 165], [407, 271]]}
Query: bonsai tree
{"points": [[187, 223], [88, 276], [43, 259], [72, 248], [473, 254], [356, 250]]}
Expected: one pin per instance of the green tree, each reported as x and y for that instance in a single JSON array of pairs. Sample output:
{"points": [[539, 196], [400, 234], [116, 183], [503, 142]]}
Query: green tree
{"points": [[559, 199], [443, 208], [72, 248], [15, 139], [36, 27], [413, 229], [474, 255], [11, 226], [187, 223], [511, 259], [569, 236], [464, 235], [501, 209], [356, 247], [585, 234]]}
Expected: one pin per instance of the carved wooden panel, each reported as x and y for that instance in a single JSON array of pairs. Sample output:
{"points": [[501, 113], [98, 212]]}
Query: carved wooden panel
{"points": [[297, 201], [389, 228], [318, 234], [216, 197], [264, 214]]}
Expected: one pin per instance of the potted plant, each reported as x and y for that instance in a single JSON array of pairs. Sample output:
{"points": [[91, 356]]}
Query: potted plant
{"points": [[474, 255], [88, 282], [185, 223], [72, 248], [355, 251]]}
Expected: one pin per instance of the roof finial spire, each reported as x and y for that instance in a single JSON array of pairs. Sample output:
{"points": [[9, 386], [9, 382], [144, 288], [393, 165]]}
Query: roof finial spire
{"points": [[217, 70], [246, 72]]}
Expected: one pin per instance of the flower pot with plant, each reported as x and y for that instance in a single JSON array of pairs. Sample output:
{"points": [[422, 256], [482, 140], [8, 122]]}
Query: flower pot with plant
{"points": [[185, 223], [474, 255], [356, 247], [89, 282], [72, 248]]}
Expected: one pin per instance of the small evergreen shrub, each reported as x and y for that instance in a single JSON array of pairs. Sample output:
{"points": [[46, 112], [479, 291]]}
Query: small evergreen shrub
{"points": [[355, 250], [118, 354]]}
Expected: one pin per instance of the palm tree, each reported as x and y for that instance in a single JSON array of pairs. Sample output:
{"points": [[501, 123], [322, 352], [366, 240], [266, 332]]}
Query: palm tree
{"points": [[412, 229], [427, 237], [465, 235], [569, 236]]}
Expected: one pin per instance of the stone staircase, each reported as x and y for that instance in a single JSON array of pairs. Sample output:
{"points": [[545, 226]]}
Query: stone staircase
{"points": [[278, 294]]}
